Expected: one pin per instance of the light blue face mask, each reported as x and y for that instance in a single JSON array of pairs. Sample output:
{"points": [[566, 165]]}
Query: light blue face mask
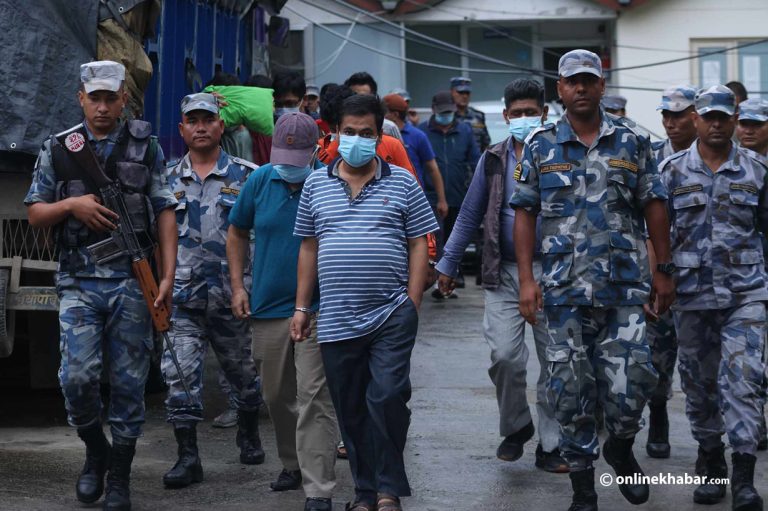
{"points": [[444, 119], [357, 151], [521, 127], [292, 174], [282, 111]]}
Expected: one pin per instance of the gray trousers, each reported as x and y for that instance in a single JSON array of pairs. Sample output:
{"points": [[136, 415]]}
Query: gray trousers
{"points": [[504, 330]]}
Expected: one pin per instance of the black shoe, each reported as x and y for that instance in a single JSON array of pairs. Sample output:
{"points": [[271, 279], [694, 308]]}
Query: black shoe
{"points": [[118, 493], [188, 468], [618, 453], [437, 294], [318, 504], [743, 492], [248, 439], [584, 495], [551, 461], [713, 467], [511, 448], [658, 432], [287, 480], [90, 483]]}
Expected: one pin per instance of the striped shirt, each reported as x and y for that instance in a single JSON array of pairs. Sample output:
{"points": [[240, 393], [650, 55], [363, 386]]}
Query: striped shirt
{"points": [[363, 245]]}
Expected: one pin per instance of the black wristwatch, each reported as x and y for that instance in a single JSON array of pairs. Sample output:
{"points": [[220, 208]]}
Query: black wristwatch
{"points": [[668, 268]]}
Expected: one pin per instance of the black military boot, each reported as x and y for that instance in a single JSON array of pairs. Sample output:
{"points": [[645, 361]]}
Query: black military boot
{"points": [[118, 495], [248, 439], [618, 453], [745, 496], [714, 468], [658, 431], [188, 468], [90, 484], [584, 495]]}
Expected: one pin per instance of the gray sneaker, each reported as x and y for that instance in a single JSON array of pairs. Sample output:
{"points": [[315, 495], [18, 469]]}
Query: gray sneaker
{"points": [[227, 419]]}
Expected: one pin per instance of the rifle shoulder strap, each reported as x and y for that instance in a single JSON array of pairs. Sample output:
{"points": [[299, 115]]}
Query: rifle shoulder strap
{"points": [[75, 143]]}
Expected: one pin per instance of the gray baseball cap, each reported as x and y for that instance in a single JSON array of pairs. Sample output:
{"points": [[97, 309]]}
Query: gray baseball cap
{"points": [[402, 93], [753, 109], [200, 101], [717, 98], [677, 98], [614, 102], [443, 102], [580, 61], [294, 140], [312, 90], [102, 75]]}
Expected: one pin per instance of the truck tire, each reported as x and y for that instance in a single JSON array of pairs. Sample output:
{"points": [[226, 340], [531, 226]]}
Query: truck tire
{"points": [[6, 316]]}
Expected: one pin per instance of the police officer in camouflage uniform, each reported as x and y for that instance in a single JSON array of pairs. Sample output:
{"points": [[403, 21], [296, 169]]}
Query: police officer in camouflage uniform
{"points": [[461, 89], [718, 207], [101, 307], [615, 104], [677, 117], [594, 180], [206, 183]]}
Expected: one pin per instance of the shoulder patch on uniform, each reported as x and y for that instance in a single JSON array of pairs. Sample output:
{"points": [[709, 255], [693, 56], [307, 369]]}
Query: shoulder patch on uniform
{"points": [[623, 164], [180, 194], [555, 167], [744, 187], [233, 191], [688, 189], [244, 163], [518, 175]]}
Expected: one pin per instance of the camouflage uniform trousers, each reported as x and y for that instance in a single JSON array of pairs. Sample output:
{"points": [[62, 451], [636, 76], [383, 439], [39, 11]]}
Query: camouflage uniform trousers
{"points": [[721, 370], [663, 342], [104, 318], [193, 329], [597, 354]]}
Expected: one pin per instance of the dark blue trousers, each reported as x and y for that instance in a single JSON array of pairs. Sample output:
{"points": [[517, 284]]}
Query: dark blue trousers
{"points": [[369, 381]]}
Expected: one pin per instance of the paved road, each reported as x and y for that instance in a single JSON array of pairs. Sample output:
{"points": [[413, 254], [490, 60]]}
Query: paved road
{"points": [[450, 454]]}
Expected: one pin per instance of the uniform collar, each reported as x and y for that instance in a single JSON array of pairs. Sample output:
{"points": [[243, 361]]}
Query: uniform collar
{"points": [[112, 136], [382, 168], [565, 132], [221, 168], [732, 163]]}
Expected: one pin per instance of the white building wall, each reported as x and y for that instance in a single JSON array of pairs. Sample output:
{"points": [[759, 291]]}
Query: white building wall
{"points": [[668, 28]]}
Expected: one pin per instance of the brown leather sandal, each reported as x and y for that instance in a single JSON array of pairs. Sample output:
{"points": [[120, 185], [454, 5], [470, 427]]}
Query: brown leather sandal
{"points": [[388, 503], [359, 506]]}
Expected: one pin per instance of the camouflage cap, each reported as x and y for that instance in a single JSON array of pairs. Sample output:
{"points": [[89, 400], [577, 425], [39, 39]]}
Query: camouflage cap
{"points": [[200, 101], [614, 102], [461, 84], [753, 109], [677, 98], [402, 93], [102, 75], [717, 98], [579, 61]]}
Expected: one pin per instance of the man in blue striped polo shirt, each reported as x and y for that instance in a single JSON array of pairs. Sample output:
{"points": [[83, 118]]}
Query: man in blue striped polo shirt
{"points": [[364, 225]]}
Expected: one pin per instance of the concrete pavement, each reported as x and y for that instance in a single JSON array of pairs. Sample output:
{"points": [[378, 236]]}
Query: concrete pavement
{"points": [[450, 455]]}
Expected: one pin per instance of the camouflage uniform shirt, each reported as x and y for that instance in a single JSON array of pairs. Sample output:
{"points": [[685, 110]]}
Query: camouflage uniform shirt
{"points": [[202, 258], [476, 119], [715, 219], [662, 150], [591, 201]]}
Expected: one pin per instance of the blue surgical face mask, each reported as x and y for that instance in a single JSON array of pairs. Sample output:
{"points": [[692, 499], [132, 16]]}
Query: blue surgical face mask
{"points": [[292, 174], [444, 119], [357, 151], [282, 111], [521, 127]]}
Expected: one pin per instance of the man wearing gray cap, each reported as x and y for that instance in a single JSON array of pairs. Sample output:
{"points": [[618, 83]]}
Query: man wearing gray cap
{"points": [[615, 104], [461, 90], [718, 208], [677, 114], [101, 306], [206, 182], [752, 129], [594, 180], [311, 103]]}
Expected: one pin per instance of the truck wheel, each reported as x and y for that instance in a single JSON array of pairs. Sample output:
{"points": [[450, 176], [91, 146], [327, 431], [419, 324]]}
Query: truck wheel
{"points": [[6, 316]]}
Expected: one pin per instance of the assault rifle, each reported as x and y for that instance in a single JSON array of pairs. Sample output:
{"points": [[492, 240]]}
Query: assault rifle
{"points": [[123, 240]]}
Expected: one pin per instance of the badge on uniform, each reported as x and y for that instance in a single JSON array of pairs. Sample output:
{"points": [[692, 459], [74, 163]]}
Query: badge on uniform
{"points": [[623, 164], [233, 191], [180, 194], [518, 175]]}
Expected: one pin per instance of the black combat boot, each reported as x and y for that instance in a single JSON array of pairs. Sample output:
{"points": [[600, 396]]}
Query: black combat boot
{"points": [[618, 453], [118, 495], [714, 468], [248, 439], [584, 496], [745, 496], [658, 431], [188, 468], [90, 484]]}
